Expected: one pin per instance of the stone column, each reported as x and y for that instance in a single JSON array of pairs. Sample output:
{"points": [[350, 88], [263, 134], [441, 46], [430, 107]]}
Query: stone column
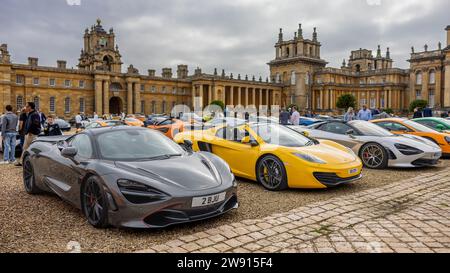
{"points": [[231, 95], [106, 97], [130, 97], [254, 96], [377, 104], [268, 98], [260, 98], [137, 98], [239, 95], [438, 87], [210, 94], [98, 97], [201, 100], [246, 96]]}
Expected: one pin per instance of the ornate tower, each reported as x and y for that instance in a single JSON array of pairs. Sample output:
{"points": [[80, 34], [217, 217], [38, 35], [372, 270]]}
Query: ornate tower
{"points": [[100, 51]]}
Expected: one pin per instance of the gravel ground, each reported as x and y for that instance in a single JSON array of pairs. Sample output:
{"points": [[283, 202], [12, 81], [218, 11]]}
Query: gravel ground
{"points": [[44, 223]]}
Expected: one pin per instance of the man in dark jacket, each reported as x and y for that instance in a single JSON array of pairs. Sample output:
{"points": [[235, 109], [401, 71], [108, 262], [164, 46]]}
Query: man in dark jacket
{"points": [[52, 128], [32, 128], [284, 117]]}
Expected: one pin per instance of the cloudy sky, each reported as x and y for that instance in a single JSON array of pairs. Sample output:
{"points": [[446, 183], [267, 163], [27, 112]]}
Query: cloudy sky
{"points": [[236, 35]]}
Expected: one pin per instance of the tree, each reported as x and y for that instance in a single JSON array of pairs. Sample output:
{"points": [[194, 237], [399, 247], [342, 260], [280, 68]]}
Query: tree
{"points": [[218, 103], [419, 104], [345, 101]]}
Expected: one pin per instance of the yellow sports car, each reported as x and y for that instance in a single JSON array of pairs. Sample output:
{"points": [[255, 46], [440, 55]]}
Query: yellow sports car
{"points": [[276, 156]]}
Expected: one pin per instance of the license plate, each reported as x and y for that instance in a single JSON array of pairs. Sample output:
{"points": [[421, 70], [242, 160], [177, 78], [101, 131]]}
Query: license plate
{"points": [[353, 171], [208, 200]]}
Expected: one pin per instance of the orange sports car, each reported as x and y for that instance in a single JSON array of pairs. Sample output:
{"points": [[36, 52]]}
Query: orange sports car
{"points": [[103, 123], [405, 126], [168, 126], [134, 122]]}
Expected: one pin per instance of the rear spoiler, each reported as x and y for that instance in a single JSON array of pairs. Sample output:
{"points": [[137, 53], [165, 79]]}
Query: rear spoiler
{"points": [[52, 139]]}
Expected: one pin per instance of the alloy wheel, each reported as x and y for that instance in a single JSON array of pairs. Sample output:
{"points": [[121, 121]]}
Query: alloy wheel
{"points": [[372, 156], [270, 173]]}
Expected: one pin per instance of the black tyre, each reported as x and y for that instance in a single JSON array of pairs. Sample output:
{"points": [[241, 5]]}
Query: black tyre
{"points": [[374, 156], [29, 179], [271, 173], [94, 202]]}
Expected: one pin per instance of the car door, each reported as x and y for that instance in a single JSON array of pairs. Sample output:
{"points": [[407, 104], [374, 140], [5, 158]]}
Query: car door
{"points": [[337, 131], [241, 157], [68, 172]]}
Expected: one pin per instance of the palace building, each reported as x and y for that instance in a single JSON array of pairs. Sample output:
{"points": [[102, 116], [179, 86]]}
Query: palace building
{"points": [[298, 76]]}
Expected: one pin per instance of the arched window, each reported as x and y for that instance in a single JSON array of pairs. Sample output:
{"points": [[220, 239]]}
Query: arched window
{"points": [[419, 78], [153, 107], [82, 105], [67, 105], [287, 52], [432, 77], [278, 78], [52, 104], [36, 102], [163, 106], [19, 103], [293, 79]]}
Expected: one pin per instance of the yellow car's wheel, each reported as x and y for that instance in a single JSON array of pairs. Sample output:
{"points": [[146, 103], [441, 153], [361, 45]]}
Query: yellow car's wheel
{"points": [[271, 173]]}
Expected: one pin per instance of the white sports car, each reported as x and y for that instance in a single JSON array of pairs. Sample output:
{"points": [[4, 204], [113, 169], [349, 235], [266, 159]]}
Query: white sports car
{"points": [[377, 147]]}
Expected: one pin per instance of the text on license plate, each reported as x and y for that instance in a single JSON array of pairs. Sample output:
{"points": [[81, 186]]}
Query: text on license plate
{"points": [[353, 171], [208, 200]]}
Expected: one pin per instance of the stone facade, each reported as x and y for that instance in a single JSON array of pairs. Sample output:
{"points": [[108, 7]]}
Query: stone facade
{"points": [[298, 75], [98, 85], [308, 83]]}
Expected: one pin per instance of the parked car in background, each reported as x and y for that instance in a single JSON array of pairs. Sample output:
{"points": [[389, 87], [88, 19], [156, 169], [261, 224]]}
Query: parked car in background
{"points": [[63, 125], [377, 147], [168, 126], [103, 123], [133, 122], [409, 127], [439, 124]]}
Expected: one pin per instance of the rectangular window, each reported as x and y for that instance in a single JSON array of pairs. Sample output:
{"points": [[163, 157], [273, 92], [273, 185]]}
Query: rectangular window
{"points": [[418, 95], [382, 103], [52, 82], [52, 104], [373, 103], [174, 90], [20, 79], [163, 90], [153, 89], [142, 87], [67, 105], [82, 108], [81, 84], [35, 81], [67, 83], [431, 98]]}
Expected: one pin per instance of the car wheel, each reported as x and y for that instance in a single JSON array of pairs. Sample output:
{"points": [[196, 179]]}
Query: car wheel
{"points": [[29, 179], [271, 173], [374, 156], [94, 203]]}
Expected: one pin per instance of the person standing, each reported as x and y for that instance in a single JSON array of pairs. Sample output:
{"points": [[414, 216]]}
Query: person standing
{"points": [[52, 128], [350, 115], [95, 116], [295, 117], [417, 113], [284, 117], [9, 134], [78, 120], [32, 129], [42, 117], [22, 120], [427, 112], [364, 114]]}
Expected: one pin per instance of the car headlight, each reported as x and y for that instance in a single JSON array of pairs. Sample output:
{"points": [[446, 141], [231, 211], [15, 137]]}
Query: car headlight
{"points": [[447, 138], [139, 193], [407, 150], [310, 158]]}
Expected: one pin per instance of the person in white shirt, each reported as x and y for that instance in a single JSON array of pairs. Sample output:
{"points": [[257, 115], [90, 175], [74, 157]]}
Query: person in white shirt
{"points": [[78, 120], [295, 117], [95, 116]]}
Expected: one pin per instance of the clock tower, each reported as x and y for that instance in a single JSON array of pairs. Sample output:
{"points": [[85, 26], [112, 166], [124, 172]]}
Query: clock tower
{"points": [[100, 51]]}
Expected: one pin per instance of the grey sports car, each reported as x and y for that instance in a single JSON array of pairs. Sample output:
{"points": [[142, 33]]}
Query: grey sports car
{"points": [[130, 177]]}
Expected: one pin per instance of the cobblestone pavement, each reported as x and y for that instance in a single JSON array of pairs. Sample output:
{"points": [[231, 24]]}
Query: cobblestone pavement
{"points": [[406, 216]]}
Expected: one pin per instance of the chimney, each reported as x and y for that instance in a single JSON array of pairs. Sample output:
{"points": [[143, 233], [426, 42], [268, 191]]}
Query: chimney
{"points": [[32, 61], [167, 72], [182, 71], [61, 64], [151, 72]]}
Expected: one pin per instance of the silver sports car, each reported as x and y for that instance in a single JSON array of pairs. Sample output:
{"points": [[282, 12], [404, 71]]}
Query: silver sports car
{"points": [[130, 177], [377, 147]]}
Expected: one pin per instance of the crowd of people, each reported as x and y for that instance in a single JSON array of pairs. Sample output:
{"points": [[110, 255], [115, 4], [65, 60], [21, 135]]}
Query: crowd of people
{"points": [[26, 126]]}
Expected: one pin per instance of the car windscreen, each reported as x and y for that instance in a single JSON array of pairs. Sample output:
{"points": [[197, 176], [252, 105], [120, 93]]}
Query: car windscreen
{"points": [[280, 135], [369, 129], [419, 127], [134, 145]]}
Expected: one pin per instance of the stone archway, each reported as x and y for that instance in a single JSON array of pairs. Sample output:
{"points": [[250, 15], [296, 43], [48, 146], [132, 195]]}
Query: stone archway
{"points": [[115, 105]]}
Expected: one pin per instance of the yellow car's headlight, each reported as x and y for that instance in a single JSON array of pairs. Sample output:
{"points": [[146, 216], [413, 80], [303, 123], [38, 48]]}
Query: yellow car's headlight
{"points": [[310, 158]]}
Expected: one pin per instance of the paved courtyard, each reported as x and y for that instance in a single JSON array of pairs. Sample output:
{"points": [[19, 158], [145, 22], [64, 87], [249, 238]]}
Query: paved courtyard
{"points": [[406, 216]]}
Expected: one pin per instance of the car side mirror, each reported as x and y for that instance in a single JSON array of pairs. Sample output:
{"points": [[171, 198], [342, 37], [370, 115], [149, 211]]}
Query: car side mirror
{"points": [[350, 132], [245, 140], [188, 145], [69, 152]]}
